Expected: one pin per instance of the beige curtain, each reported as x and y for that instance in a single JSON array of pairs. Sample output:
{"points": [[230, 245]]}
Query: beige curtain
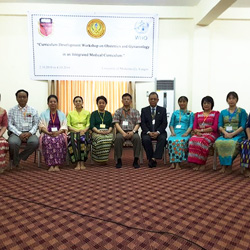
{"points": [[52, 87], [66, 90]]}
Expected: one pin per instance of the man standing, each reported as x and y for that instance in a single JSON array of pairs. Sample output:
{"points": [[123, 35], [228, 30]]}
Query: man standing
{"points": [[22, 126], [127, 122], [153, 124]]}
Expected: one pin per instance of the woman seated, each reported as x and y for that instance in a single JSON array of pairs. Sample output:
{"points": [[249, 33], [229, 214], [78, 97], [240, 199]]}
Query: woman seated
{"points": [[102, 136], [78, 139], [205, 130], [181, 124], [245, 151], [4, 146], [232, 123], [53, 139]]}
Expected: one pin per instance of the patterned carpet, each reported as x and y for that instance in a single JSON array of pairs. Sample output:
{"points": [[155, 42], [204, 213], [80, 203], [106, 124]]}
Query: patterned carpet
{"points": [[107, 208]]}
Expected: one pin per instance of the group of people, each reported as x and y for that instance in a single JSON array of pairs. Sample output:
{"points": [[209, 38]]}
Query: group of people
{"points": [[193, 135], [190, 139]]}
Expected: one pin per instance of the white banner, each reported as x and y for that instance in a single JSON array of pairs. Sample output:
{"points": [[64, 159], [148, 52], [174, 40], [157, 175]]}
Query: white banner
{"points": [[85, 46]]}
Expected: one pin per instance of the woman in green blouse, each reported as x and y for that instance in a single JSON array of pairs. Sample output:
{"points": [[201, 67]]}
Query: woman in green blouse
{"points": [[102, 136], [78, 124]]}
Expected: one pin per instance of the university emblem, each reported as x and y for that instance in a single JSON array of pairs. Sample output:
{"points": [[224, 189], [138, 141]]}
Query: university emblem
{"points": [[45, 26], [96, 28]]}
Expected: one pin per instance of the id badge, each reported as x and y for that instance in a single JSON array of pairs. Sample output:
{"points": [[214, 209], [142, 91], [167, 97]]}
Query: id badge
{"points": [[153, 122], [54, 129], [79, 125], [125, 123], [229, 128], [102, 126], [178, 126], [25, 124]]}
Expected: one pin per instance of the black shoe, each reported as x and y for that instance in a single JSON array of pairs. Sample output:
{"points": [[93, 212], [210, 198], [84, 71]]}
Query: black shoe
{"points": [[152, 163], [136, 165], [119, 163]]}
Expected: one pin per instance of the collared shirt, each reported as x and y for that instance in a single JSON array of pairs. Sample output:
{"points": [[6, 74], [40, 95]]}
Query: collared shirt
{"points": [[23, 120], [132, 116], [79, 120]]}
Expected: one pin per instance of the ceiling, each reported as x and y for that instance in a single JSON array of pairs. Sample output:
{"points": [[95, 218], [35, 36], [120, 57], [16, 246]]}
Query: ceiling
{"points": [[238, 3]]}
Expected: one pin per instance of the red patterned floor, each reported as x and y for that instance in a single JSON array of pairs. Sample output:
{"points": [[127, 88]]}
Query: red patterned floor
{"points": [[107, 208]]}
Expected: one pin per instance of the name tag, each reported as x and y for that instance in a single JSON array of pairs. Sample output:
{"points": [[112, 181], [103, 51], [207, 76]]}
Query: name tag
{"points": [[102, 126], [178, 126], [79, 125], [54, 129], [25, 124], [125, 123], [153, 122], [229, 128]]}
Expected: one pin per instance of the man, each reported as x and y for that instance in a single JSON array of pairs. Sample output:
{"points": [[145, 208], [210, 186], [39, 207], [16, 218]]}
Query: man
{"points": [[153, 124], [127, 122], [22, 126]]}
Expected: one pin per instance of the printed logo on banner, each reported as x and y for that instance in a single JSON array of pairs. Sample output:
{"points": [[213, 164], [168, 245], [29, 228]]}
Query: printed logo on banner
{"points": [[45, 26], [96, 28], [141, 27]]}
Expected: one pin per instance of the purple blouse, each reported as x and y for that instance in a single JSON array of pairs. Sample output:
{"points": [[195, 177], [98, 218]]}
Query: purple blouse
{"points": [[54, 122]]}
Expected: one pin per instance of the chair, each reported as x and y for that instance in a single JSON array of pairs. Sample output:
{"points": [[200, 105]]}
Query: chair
{"points": [[213, 152], [212, 148], [127, 143], [154, 142], [37, 153]]}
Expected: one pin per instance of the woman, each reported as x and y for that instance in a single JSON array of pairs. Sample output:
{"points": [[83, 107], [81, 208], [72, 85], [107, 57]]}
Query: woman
{"points": [[245, 151], [4, 146], [102, 136], [53, 128], [232, 123], [78, 139], [181, 124], [205, 130]]}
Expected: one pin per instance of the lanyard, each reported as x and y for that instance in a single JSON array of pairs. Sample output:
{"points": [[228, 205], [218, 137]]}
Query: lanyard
{"points": [[126, 112], [180, 117], [102, 118], [185, 112], [53, 118], [231, 115], [205, 117], [25, 112]]}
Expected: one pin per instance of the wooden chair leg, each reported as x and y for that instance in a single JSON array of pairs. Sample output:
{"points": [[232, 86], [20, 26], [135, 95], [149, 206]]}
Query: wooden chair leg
{"points": [[141, 155], [91, 159], [164, 156], [215, 160], [39, 158]]}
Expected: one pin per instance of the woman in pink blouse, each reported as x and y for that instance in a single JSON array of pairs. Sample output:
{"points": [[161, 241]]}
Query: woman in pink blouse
{"points": [[205, 131], [4, 146]]}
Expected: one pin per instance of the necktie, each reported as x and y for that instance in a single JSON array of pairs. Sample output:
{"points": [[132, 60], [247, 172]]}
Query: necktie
{"points": [[153, 117], [153, 113]]}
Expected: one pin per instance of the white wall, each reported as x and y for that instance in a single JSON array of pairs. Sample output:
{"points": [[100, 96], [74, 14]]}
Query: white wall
{"points": [[14, 64], [221, 62], [209, 60]]}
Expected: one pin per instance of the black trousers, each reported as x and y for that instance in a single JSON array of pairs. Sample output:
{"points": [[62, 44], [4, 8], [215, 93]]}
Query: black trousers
{"points": [[147, 144]]}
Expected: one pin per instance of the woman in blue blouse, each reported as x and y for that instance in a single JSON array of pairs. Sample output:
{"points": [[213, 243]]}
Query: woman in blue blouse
{"points": [[180, 126], [232, 122]]}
